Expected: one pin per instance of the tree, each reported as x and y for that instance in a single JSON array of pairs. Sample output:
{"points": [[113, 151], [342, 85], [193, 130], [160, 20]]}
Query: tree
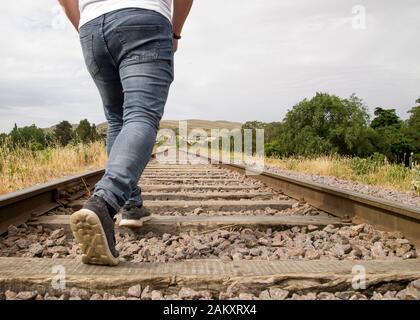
{"points": [[95, 134], [86, 132], [29, 136], [272, 131], [3, 137], [392, 135], [50, 139], [327, 124], [413, 129], [251, 125], [14, 135], [392, 142], [63, 132], [385, 118]]}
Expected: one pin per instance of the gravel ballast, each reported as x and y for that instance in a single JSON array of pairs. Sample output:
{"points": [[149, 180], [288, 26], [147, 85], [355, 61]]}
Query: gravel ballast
{"points": [[358, 242], [407, 198]]}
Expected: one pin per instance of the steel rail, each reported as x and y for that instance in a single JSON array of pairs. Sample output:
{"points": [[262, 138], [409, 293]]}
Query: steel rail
{"points": [[354, 206], [390, 215], [20, 206]]}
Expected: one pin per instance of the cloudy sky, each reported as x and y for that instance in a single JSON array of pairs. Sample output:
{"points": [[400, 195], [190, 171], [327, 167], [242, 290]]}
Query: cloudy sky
{"points": [[238, 60]]}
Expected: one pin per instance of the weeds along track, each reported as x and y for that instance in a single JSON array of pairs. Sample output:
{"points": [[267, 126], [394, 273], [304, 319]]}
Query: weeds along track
{"points": [[215, 234]]}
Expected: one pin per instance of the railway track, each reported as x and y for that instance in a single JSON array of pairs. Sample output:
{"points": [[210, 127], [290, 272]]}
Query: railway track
{"points": [[215, 234]]}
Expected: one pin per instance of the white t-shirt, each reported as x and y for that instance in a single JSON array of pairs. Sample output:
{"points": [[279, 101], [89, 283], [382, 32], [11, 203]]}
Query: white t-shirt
{"points": [[91, 9]]}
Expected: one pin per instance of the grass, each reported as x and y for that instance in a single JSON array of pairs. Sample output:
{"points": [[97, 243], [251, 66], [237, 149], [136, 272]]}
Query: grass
{"points": [[21, 168], [374, 171]]}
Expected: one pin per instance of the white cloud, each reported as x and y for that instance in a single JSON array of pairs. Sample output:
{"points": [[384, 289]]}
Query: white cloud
{"points": [[238, 60]]}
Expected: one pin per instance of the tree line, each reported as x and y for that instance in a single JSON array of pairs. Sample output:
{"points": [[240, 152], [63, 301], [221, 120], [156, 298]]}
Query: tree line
{"points": [[323, 125], [62, 135], [327, 124]]}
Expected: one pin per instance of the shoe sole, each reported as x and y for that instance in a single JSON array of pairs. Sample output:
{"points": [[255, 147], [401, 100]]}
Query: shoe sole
{"points": [[88, 231], [133, 223]]}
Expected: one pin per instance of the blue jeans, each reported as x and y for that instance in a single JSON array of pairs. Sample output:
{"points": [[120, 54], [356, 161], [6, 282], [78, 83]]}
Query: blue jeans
{"points": [[129, 55]]}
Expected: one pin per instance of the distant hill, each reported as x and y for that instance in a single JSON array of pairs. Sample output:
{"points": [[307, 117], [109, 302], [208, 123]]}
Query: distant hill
{"points": [[204, 124], [52, 128], [191, 123], [173, 124]]}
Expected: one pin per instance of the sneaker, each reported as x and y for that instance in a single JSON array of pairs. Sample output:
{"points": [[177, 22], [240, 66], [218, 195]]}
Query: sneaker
{"points": [[133, 217], [93, 228]]}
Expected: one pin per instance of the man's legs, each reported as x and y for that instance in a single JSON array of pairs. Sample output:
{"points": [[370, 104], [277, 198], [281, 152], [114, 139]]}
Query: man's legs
{"points": [[113, 100], [146, 87], [129, 54], [140, 41]]}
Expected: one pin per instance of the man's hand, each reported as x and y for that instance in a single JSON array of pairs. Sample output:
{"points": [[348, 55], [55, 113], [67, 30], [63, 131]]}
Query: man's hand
{"points": [[71, 7], [181, 10]]}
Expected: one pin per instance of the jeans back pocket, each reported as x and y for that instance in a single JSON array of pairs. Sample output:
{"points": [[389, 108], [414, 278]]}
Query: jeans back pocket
{"points": [[89, 55], [140, 42]]}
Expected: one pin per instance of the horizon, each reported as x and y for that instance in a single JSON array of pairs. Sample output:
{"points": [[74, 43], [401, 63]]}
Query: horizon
{"points": [[97, 124]]}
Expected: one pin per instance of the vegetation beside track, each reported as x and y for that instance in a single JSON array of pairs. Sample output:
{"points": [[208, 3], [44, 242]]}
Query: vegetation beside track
{"points": [[375, 171], [324, 135], [21, 167]]}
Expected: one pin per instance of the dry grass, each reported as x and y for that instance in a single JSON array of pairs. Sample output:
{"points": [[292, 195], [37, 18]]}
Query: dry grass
{"points": [[375, 171], [367, 171], [21, 168]]}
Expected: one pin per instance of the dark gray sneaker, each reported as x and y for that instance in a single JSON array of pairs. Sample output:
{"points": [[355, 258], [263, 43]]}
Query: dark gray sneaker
{"points": [[133, 217], [93, 228]]}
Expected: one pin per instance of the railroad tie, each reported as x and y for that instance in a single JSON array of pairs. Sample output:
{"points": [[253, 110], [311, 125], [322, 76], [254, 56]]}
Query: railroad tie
{"points": [[177, 224], [22, 274]]}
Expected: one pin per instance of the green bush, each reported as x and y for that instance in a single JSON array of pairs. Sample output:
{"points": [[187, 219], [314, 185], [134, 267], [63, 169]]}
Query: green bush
{"points": [[365, 166], [46, 155], [36, 146], [273, 149]]}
